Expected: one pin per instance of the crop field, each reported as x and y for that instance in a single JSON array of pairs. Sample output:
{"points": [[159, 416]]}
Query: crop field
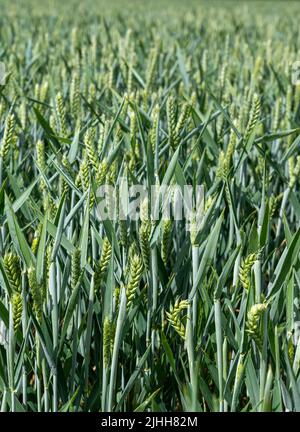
{"points": [[111, 298]]}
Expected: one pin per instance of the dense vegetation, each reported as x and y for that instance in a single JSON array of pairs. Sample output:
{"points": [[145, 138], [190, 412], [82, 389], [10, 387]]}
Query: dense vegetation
{"points": [[123, 315]]}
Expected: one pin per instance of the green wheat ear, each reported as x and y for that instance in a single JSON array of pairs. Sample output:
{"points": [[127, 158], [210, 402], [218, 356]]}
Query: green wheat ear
{"points": [[245, 269], [103, 132], [75, 95], [291, 348], [294, 171], [154, 132], [171, 121], [17, 309], [89, 139], [221, 170], [85, 174], [253, 322], [101, 172], [36, 293], [117, 293], [13, 271], [50, 205], [132, 251], [52, 122], [144, 233], [182, 120], [106, 340], [44, 91], [105, 255], [254, 117], [92, 93], [75, 267], [144, 236], [12, 268], [135, 276], [40, 155], [273, 204], [123, 232], [61, 114], [152, 63], [102, 265], [41, 161], [36, 240], [23, 115], [173, 316], [166, 240], [7, 141]]}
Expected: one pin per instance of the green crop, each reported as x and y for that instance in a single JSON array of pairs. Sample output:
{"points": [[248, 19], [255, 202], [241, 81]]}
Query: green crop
{"points": [[149, 314]]}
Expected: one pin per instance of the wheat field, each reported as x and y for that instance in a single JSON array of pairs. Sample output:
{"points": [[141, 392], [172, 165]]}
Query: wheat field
{"points": [[149, 314]]}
